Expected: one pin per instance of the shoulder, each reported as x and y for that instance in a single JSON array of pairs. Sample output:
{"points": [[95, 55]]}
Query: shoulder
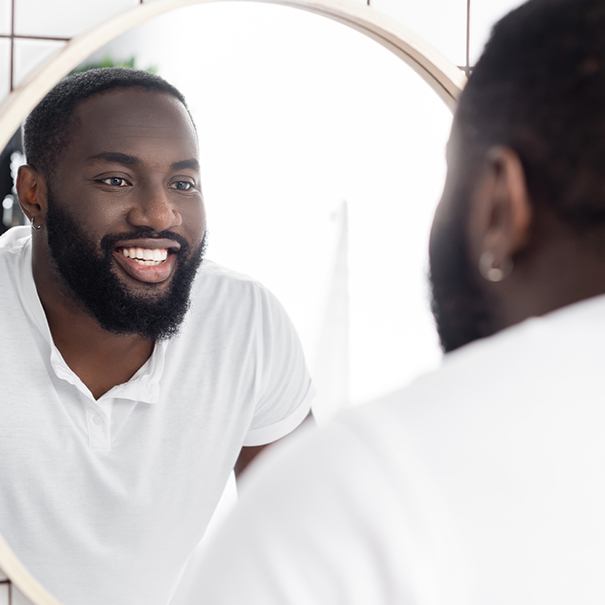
{"points": [[15, 248], [492, 393], [15, 240], [510, 363], [222, 288], [215, 279], [212, 270], [212, 274]]}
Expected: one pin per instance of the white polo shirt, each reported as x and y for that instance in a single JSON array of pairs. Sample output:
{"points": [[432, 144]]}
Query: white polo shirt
{"points": [[482, 483], [103, 500]]}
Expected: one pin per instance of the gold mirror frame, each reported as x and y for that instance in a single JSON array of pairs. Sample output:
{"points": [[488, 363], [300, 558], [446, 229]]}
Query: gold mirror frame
{"points": [[445, 79]]}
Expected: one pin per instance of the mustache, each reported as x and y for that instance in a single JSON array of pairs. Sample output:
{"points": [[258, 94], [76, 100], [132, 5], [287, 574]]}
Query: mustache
{"points": [[109, 241]]}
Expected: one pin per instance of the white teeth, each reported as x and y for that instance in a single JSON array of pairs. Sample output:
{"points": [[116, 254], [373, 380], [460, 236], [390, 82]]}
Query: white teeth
{"points": [[146, 256]]}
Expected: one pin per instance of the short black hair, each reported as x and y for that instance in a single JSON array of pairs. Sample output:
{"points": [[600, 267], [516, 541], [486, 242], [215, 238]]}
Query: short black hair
{"points": [[48, 127], [539, 88]]}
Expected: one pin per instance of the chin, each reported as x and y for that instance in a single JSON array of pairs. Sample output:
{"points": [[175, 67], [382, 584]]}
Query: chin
{"points": [[148, 291]]}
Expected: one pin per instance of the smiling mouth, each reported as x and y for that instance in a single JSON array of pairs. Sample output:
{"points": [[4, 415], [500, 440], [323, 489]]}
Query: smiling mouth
{"points": [[147, 261], [148, 257]]}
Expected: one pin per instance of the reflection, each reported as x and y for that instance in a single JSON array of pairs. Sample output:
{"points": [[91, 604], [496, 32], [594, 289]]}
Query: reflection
{"points": [[316, 163], [149, 378]]}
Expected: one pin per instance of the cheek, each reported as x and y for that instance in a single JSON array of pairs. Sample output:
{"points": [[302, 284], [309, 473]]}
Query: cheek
{"points": [[194, 220], [100, 220], [93, 218]]}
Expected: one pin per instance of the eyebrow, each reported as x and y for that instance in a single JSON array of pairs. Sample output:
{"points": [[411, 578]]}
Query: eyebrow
{"points": [[193, 164], [116, 158], [129, 160]]}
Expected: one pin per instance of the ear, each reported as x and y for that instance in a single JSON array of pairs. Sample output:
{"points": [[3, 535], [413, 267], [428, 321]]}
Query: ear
{"points": [[31, 188], [501, 211]]}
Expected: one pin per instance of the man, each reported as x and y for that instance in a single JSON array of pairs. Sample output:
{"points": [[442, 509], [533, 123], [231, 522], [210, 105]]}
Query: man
{"points": [[483, 482], [135, 380]]}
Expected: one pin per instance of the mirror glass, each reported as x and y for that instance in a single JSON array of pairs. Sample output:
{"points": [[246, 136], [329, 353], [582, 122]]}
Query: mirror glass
{"points": [[323, 158]]}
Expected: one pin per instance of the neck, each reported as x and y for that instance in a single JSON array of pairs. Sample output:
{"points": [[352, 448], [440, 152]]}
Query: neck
{"points": [[102, 359], [548, 282]]}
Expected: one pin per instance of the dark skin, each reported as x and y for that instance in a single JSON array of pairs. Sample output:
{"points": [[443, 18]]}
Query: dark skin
{"points": [[131, 162], [552, 266]]}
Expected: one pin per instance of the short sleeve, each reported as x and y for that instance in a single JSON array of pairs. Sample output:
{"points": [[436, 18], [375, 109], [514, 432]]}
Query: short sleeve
{"points": [[284, 390]]}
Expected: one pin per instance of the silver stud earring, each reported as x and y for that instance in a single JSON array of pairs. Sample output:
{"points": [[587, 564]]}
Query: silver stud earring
{"points": [[34, 226], [490, 271]]}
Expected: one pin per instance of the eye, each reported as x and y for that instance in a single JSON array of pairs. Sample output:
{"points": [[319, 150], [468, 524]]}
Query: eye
{"points": [[114, 181], [182, 185]]}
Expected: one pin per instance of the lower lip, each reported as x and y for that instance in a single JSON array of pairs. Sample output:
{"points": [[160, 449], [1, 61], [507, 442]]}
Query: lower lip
{"points": [[149, 274]]}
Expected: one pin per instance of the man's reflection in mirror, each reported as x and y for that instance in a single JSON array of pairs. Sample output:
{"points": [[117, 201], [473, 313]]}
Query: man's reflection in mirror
{"points": [[137, 374]]}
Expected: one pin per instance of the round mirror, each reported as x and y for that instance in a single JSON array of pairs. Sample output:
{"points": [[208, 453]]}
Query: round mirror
{"points": [[322, 158]]}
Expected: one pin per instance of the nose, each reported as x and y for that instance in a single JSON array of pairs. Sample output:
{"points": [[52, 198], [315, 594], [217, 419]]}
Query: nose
{"points": [[155, 209]]}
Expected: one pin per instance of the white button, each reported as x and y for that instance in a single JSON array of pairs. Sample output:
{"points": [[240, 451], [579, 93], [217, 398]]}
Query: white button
{"points": [[97, 419]]}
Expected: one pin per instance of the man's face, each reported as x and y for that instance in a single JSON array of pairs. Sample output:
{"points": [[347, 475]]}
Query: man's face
{"points": [[459, 305], [125, 221]]}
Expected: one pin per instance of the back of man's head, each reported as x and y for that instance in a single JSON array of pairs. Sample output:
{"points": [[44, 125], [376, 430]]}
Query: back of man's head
{"points": [[539, 88], [520, 230], [47, 129]]}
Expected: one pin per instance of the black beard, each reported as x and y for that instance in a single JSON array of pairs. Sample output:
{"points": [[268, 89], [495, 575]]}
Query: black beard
{"points": [[459, 306], [92, 281]]}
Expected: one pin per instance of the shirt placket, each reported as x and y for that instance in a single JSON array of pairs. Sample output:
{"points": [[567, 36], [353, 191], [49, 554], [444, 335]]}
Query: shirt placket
{"points": [[98, 423]]}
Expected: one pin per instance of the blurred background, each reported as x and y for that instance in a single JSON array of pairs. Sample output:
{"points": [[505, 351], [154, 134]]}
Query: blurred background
{"points": [[322, 159]]}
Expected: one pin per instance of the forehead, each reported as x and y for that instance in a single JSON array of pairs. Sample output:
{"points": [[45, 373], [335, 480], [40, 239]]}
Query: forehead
{"points": [[147, 124]]}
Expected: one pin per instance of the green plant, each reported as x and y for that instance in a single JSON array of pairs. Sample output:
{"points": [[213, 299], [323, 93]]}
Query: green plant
{"points": [[129, 63]]}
